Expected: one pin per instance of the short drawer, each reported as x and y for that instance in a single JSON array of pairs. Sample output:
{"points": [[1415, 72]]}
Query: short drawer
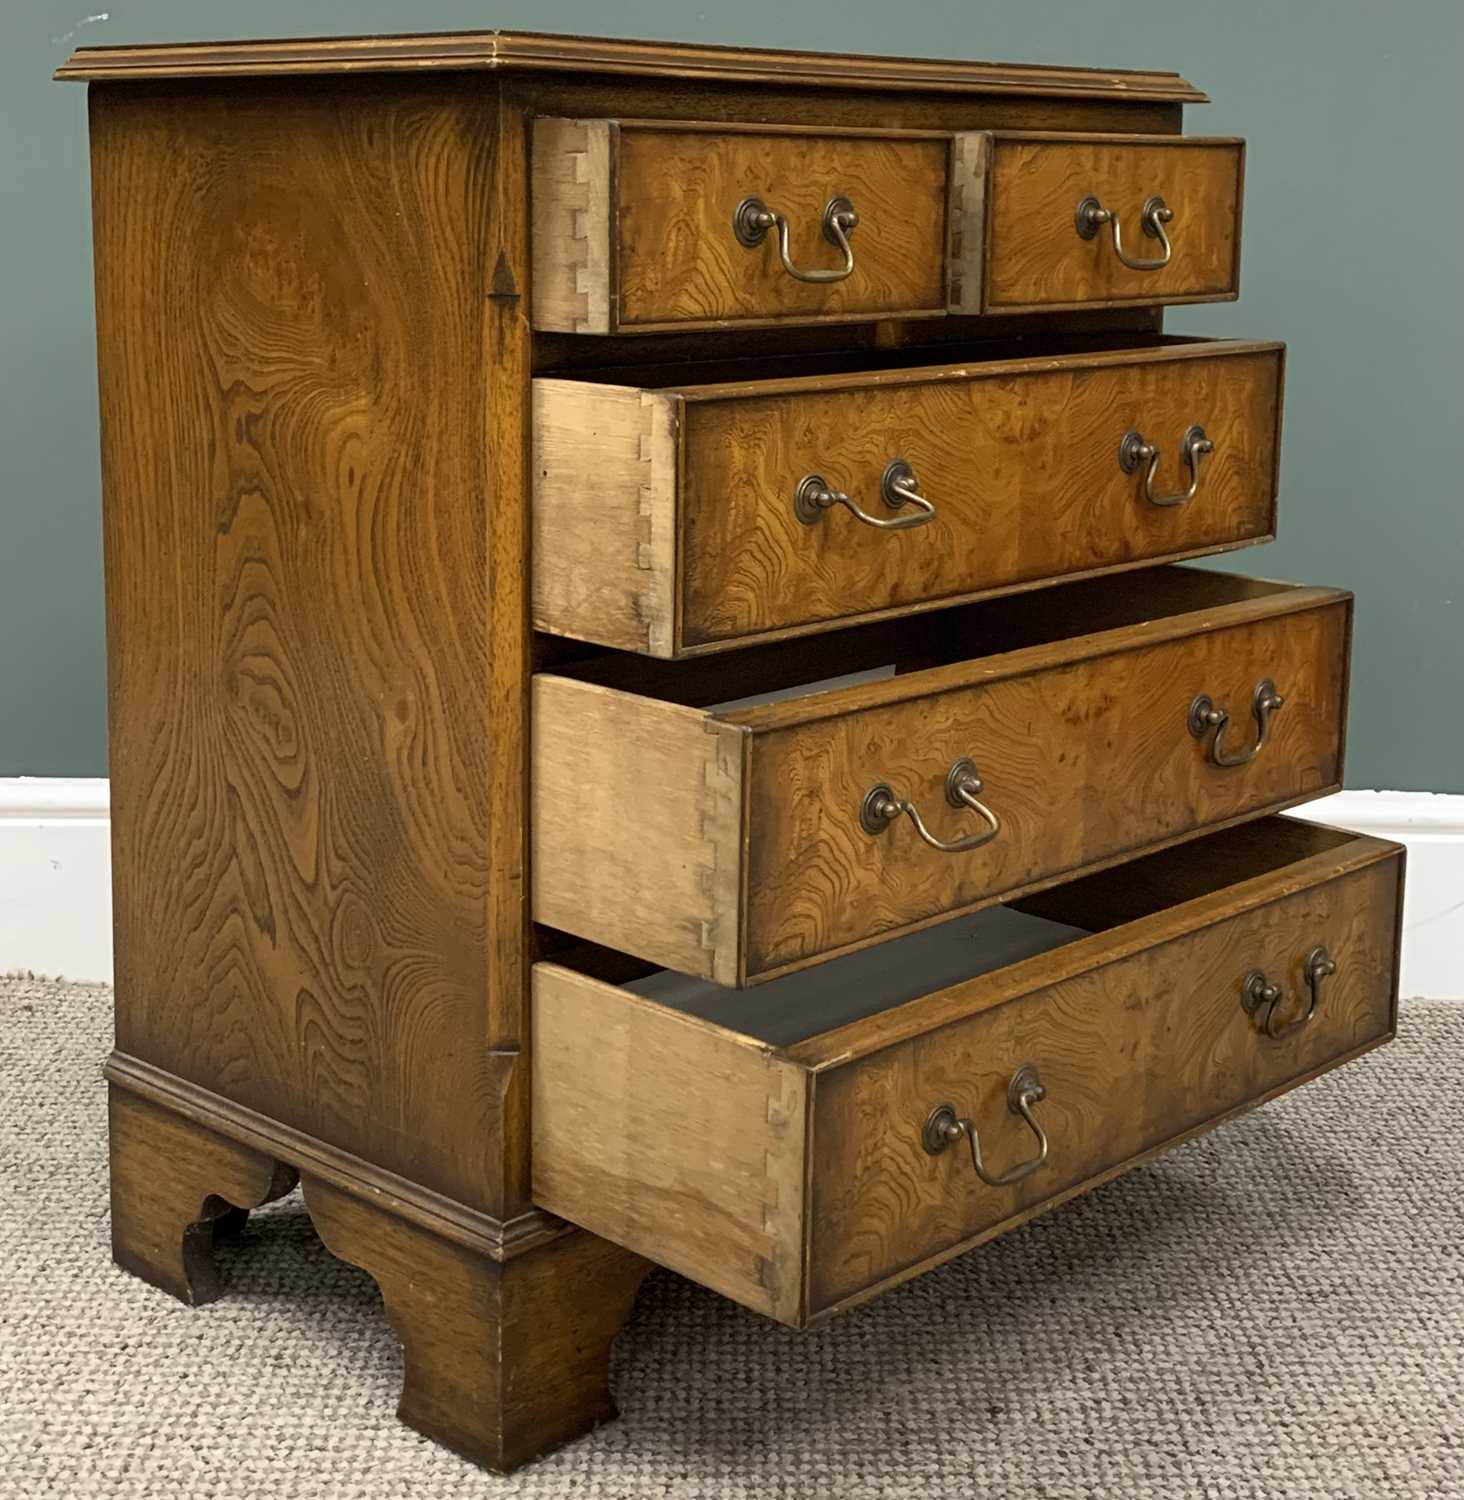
{"points": [[641, 226], [979, 753], [1095, 221], [807, 1145], [679, 520], [648, 226]]}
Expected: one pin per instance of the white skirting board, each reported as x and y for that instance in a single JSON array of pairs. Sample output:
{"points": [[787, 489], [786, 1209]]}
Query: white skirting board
{"points": [[1430, 825], [56, 893], [55, 877]]}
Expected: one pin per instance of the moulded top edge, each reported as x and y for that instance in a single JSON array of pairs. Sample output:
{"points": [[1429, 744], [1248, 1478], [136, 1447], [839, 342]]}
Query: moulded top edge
{"points": [[534, 51]]}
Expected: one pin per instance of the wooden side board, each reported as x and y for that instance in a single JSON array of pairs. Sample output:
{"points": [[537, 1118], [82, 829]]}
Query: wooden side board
{"points": [[314, 439], [795, 1179]]}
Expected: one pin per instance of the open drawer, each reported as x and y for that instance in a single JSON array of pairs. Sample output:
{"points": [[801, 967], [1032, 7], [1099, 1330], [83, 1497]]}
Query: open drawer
{"points": [[675, 516], [983, 752], [807, 1145]]}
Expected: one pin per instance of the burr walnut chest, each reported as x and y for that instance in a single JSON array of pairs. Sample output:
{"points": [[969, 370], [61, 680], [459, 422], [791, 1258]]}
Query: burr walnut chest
{"points": [[657, 709]]}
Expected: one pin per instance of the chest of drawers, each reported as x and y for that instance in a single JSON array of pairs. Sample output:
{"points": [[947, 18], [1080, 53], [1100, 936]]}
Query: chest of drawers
{"points": [[660, 711]]}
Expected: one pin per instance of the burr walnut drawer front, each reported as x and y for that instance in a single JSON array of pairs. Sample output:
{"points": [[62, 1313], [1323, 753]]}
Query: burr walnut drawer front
{"points": [[800, 1151], [982, 752], [1082, 221], [641, 225], [675, 521]]}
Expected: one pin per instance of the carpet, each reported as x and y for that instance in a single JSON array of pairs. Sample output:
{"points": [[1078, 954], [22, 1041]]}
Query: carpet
{"points": [[1274, 1310]]}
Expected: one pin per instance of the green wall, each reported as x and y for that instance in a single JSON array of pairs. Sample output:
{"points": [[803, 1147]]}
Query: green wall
{"points": [[1353, 232]]}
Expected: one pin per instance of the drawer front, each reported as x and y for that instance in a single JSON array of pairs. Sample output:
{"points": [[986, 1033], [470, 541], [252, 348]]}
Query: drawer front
{"points": [[797, 1179], [1021, 464], [1082, 762], [633, 225], [1131, 1055], [1036, 258]]}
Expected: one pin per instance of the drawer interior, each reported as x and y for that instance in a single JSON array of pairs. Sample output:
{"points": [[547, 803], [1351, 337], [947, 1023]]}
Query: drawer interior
{"points": [[773, 366], [763, 674], [800, 1006]]}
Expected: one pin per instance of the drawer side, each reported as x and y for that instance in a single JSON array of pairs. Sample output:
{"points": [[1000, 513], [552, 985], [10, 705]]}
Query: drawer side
{"points": [[571, 222], [605, 514], [636, 825], [675, 1138]]}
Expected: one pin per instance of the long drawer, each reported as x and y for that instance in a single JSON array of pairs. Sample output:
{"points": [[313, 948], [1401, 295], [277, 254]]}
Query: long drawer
{"points": [[800, 1152], [983, 752], [680, 520], [648, 225]]}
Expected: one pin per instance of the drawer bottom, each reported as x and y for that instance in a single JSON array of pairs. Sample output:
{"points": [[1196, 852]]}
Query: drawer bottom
{"points": [[804, 1145]]}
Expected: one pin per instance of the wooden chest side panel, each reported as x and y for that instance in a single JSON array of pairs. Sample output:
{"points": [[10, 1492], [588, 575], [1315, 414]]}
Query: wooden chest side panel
{"points": [[300, 530], [1036, 259], [675, 1138], [1082, 763], [679, 261], [1022, 467], [1166, 1024]]}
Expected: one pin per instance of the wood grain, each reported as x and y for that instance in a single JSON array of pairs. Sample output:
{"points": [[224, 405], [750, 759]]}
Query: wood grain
{"points": [[316, 614], [1081, 764], [571, 206], [966, 224], [499, 727], [637, 825], [699, 1166], [1082, 741], [659, 62], [1035, 257], [1020, 460], [673, 260], [788, 101], [443, 1217], [1131, 1054], [676, 1136], [605, 513], [1019, 456], [501, 1362]]}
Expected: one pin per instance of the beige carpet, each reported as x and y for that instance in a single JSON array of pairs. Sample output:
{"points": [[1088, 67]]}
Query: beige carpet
{"points": [[1275, 1310]]}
